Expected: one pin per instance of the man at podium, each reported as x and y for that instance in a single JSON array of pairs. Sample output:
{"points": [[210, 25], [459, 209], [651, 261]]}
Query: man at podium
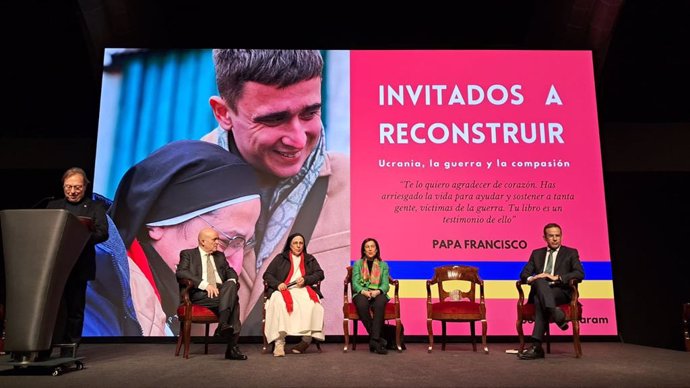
{"points": [[70, 320]]}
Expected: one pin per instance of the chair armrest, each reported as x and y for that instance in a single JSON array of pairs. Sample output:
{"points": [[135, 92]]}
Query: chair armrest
{"points": [[521, 293], [396, 285], [520, 303], [316, 286], [396, 298], [575, 295], [481, 291], [265, 291], [428, 299], [346, 298], [185, 286], [347, 284]]}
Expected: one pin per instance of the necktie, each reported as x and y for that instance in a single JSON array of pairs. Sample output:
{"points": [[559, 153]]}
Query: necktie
{"points": [[549, 262], [210, 274]]}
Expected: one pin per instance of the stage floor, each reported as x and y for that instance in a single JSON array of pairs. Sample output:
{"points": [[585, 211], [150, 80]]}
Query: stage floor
{"points": [[154, 365]]}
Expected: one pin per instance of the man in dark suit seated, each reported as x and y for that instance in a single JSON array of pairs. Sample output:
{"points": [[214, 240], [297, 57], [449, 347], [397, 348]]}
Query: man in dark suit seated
{"points": [[216, 286], [548, 272]]}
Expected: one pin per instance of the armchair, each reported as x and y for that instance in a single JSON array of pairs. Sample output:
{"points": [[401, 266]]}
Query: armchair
{"points": [[350, 312], [465, 309], [572, 310], [265, 348], [189, 313]]}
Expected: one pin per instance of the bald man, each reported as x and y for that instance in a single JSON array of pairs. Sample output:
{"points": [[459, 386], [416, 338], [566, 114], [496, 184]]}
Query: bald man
{"points": [[215, 286]]}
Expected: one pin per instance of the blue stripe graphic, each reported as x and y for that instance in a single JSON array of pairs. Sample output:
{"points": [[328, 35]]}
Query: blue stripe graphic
{"points": [[488, 270]]}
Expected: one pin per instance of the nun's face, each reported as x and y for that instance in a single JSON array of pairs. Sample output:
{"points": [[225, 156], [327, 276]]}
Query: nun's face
{"points": [[297, 245], [276, 129], [236, 220]]}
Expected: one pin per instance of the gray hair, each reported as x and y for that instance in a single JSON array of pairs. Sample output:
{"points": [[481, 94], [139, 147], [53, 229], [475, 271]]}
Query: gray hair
{"points": [[75, 171]]}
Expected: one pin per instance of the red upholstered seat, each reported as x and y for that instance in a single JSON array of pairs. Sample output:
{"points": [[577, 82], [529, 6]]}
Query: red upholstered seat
{"points": [[450, 309], [467, 309], [572, 310], [350, 312], [528, 311], [197, 312]]}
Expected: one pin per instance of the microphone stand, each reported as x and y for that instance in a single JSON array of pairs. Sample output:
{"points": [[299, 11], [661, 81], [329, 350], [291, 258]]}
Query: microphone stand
{"points": [[41, 201]]}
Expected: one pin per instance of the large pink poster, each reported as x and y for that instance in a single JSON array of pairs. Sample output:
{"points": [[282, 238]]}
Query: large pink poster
{"points": [[463, 157]]}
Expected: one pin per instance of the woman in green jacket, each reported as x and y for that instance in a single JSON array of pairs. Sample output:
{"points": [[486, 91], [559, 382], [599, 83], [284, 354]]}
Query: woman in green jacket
{"points": [[370, 285]]}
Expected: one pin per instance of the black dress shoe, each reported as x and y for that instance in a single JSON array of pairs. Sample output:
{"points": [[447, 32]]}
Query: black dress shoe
{"points": [[378, 346], [381, 348], [533, 353], [375, 344], [223, 330], [234, 353]]}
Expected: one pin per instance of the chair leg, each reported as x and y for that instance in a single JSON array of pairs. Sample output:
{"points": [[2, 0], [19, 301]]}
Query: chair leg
{"points": [[264, 348], [398, 332], [355, 328], [187, 337], [486, 348], [576, 338], [548, 339], [346, 332], [521, 334], [206, 338], [473, 334], [443, 336], [179, 339], [318, 346], [431, 334]]}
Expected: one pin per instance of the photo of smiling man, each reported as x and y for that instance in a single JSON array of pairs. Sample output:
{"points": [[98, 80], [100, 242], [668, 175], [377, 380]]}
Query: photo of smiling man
{"points": [[269, 113]]}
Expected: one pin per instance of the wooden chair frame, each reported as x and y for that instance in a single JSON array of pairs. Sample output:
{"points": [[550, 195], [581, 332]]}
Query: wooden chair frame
{"points": [[188, 318], [2, 328], [686, 326], [456, 273], [350, 314], [573, 314]]}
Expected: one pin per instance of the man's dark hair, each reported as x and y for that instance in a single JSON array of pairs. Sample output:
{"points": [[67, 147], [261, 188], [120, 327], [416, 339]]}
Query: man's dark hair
{"points": [[552, 225], [279, 68]]}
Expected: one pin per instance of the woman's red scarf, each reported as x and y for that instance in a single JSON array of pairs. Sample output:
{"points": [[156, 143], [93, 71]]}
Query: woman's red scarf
{"points": [[287, 296]]}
